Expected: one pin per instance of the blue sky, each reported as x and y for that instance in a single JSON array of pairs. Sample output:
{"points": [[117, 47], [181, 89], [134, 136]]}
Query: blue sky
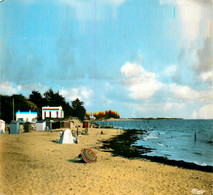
{"points": [[150, 58]]}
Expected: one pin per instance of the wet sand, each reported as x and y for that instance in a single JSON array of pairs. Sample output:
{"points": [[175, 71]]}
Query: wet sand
{"points": [[34, 163]]}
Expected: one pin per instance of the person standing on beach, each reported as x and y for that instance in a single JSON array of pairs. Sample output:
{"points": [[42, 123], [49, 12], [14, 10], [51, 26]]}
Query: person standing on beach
{"points": [[76, 131], [60, 134]]}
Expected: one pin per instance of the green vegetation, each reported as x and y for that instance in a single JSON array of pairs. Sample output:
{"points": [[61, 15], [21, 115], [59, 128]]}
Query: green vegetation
{"points": [[104, 115], [36, 101], [78, 109], [20, 103]]}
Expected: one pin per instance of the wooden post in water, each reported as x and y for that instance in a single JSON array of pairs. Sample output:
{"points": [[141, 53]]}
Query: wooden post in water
{"points": [[195, 136]]}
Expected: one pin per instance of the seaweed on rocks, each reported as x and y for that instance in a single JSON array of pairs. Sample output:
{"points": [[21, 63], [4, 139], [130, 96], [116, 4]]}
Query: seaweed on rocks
{"points": [[180, 163], [122, 145]]}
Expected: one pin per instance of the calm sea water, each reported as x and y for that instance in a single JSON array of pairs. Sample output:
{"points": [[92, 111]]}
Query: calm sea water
{"points": [[174, 139]]}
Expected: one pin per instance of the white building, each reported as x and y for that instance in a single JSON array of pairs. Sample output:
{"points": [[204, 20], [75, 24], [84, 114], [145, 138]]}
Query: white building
{"points": [[52, 112], [26, 116]]}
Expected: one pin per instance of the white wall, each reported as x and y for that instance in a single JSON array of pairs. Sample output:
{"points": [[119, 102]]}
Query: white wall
{"points": [[51, 112], [41, 126], [26, 116]]}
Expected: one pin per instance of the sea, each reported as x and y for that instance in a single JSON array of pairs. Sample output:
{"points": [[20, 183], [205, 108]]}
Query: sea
{"points": [[190, 141]]}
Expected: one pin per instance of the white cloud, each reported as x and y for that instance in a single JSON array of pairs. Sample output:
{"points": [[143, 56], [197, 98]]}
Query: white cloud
{"points": [[172, 106], [186, 2], [141, 83], [77, 3], [194, 115], [207, 76], [195, 19], [6, 88], [160, 110], [206, 112], [170, 70], [82, 93], [184, 92], [92, 10], [205, 57], [32, 86], [206, 95], [195, 16], [181, 92]]}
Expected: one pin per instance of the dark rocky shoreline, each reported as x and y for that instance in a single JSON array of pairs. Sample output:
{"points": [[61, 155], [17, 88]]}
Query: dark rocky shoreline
{"points": [[121, 145]]}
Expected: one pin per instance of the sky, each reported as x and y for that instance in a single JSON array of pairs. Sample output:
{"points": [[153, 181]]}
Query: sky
{"points": [[141, 58]]}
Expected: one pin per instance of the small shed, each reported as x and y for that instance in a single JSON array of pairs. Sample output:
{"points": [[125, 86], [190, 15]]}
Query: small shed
{"points": [[85, 124], [14, 127], [41, 126], [2, 127], [49, 124], [27, 127], [67, 124], [56, 125]]}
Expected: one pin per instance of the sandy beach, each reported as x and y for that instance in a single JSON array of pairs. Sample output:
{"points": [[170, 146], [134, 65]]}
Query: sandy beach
{"points": [[34, 163]]}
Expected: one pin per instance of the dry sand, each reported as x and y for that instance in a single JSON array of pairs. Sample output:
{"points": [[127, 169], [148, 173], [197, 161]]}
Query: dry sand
{"points": [[32, 163]]}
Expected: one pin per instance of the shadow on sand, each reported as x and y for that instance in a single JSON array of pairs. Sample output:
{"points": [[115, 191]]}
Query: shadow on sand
{"points": [[55, 141], [76, 161]]}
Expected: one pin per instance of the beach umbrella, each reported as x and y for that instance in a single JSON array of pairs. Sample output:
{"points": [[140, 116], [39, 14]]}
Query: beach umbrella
{"points": [[88, 155]]}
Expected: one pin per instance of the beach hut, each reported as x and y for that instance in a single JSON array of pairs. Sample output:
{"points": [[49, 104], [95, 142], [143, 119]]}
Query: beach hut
{"points": [[67, 124], [49, 124], [41, 126], [85, 124], [14, 127], [66, 138], [56, 125], [2, 127]]}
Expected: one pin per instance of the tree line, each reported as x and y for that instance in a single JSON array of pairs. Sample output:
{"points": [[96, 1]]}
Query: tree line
{"points": [[9, 105], [104, 115]]}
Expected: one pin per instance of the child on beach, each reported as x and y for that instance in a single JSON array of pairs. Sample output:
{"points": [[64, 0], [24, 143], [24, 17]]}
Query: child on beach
{"points": [[60, 134]]}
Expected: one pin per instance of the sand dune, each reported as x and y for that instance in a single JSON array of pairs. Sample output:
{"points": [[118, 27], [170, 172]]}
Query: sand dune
{"points": [[33, 163]]}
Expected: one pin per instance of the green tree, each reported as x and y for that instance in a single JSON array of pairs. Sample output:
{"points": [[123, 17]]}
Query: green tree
{"points": [[20, 103], [6, 108], [38, 100], [49, 97], [55, 99], [78, 109]]}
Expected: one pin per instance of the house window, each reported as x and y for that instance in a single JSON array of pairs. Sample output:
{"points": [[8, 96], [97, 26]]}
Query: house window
{"points": [[44, 114], [50, 114]]}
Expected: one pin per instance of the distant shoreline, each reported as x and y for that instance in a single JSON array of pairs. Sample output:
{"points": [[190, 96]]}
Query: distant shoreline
{"points": [[143, 119], [137, 119]]}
